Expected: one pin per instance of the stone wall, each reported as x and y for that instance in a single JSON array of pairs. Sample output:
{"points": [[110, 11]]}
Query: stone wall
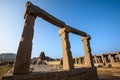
{"points": [[75, 74], [54, 62]]}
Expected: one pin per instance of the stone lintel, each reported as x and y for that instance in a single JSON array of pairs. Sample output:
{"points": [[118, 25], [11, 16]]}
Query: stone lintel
{"points": [[75, 31], [36, 11]]}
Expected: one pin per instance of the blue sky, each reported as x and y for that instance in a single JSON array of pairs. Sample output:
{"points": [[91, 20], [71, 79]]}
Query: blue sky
{"points": [[99, 18]]}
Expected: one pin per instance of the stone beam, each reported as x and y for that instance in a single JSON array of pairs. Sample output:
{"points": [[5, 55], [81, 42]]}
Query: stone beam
{"points": [[75, 31], [36, 11]]}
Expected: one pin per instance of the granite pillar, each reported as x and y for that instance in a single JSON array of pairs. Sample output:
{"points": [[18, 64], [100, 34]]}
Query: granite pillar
{"points": [[119, 56], [66, 53], [87, 52], [95, 57], [23, 57], [111, 58]]}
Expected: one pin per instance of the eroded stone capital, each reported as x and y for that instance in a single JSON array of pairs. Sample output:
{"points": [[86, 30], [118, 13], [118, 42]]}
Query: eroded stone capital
{"points": [[62, 30], [86, 37]]}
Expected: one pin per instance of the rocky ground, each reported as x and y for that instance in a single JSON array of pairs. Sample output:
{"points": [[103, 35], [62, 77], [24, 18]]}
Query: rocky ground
{"points": [[104, 73], [45, 68]]}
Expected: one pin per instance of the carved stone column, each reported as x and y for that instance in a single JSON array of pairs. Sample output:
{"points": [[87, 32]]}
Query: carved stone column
{"points": [[118, 55], [102, 59], [22, 63], [111, 58], [79, 60], [76, 62], [96, 60], [66, 53], [87, 51]]}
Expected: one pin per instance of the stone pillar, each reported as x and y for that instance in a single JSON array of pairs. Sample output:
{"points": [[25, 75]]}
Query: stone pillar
{"points": [[23, 57], [106, 59], [82, 60], [98, 59], [87, 52], [118, 55], [79, 60], [66, 53], [102, 59], [95, 57], [76, 62], [111, 58]]}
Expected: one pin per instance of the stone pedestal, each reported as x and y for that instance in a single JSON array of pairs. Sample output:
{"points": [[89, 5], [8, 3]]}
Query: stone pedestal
{"points": [[66, 53], [22, 62], [87, 51]]}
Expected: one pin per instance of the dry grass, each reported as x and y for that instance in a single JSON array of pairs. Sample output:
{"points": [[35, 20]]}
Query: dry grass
{"points": [[108, 73], [4, 69]]}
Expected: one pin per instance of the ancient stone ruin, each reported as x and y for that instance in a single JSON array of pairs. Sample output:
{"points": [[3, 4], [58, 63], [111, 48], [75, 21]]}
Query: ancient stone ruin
{"points": [[22, 64], [101, 60], [41, 58]]}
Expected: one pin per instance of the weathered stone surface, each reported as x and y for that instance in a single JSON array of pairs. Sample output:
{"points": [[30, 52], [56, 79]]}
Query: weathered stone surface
{"points": [[25, 47], [76, 74], [87, 52], [102, 60], [22, 64], [41, 58], [95, 57], [118, 55], [36, 11], [66, 53], [111, 58], [42, 55], [76, 61]]}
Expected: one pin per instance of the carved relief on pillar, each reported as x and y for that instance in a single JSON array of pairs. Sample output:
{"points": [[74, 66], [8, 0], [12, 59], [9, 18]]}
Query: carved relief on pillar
{"points": [[66, 53], [87, 51], [22, 63]]}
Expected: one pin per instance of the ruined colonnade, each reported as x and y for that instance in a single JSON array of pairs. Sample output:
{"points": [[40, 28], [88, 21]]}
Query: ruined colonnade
{"points": [[101, 58]]}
